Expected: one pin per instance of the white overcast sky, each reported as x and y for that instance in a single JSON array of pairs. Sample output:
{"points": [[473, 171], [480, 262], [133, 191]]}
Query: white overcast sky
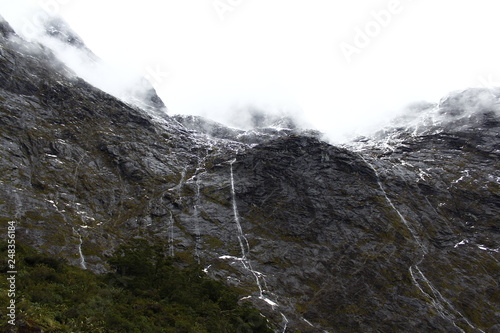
{"points": [[214, 57]]}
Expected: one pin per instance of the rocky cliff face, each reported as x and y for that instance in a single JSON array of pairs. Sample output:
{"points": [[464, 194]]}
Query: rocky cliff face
{"points": [[395, 233]]}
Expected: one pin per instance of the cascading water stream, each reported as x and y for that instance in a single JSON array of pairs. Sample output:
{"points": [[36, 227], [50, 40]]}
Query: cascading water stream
{"points": [[243, 241], [245, 247], [82, 258], [197, 221], [18, 206], [285, 322], [171, 235], [181, 183], [170, 228], [445, 309], [389, 201], [83, 264], [439, 302], [75, 173]]}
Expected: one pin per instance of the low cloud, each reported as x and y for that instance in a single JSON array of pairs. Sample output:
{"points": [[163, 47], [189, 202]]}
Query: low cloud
{"points": [[283, 58], [35, 24]]}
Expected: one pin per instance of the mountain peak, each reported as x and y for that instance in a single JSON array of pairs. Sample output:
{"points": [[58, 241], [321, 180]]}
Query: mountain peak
{"points": [[68, 47], [57, 28], [5, 29], [472, 112]]}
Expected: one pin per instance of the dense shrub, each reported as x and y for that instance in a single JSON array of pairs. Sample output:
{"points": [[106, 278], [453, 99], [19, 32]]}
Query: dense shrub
{"points": [[145, 292]]}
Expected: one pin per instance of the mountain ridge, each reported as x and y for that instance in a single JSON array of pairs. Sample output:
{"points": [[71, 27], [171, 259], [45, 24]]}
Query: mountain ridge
{"points": [[397, 233]]}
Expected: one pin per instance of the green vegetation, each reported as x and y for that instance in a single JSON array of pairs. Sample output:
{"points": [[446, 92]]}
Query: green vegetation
{"points": [[146, 292]]}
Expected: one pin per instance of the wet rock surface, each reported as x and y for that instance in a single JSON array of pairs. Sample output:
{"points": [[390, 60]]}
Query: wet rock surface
{"points": [[399, 233], [274, 129]]}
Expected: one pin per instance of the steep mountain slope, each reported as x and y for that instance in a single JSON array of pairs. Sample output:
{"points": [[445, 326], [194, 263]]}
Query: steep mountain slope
{"points": [[125, 84], [399, 233]]}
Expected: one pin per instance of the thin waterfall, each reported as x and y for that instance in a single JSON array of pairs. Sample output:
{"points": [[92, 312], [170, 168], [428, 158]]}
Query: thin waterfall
{"points": [[440, 303], [170, 232], [82, 258], [244, 245], [18, 210], [83, 264], [241, 237], [170, 228], [181, 182], [285, 322], [197, 221], [443, 307], [389, 201]]}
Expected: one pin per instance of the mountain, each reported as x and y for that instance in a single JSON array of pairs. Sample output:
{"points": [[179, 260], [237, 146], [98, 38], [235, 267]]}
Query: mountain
{"points": [[132, 88], [283, 126], [398, 232]]}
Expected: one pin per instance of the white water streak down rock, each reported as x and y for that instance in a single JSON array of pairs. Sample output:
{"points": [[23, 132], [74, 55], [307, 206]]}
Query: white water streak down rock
{"points": [[438, 306], [82, 258], [389, 201], [83, 264], [170, 229], [171, 235], [18, 206], [441, 304], [245, 247], [181, 183], [285, 322], [197, 221]]}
